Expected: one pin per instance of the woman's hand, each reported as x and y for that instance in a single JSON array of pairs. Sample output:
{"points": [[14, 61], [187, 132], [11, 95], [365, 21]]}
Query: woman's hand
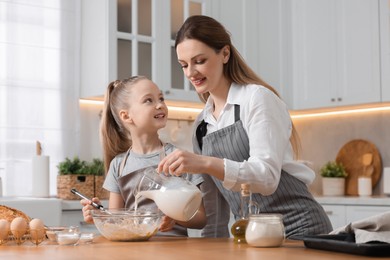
{"points": [[87, 207], [166, 224], [180, 162]]}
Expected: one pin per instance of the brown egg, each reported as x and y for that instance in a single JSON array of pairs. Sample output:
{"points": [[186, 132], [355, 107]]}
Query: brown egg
{"points": [[4, 229], [37, 229], [18, 227]]}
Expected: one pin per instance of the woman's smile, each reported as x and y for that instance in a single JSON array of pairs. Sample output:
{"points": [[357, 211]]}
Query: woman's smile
{"points": [[198, 82]]}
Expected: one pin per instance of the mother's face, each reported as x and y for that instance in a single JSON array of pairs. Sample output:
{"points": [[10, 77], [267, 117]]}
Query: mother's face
{"points": [[202, 65]]}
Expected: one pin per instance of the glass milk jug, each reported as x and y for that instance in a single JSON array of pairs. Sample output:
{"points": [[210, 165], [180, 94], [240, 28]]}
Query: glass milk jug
{"points": [[175, 196]]}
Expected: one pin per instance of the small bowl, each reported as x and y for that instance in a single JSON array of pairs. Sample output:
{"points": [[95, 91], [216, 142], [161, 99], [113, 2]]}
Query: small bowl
{"points": [[86, 238], [127, 225], [68, 236], [51, 232]]}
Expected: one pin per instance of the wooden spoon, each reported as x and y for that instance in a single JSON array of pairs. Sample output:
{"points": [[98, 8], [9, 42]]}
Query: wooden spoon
{"points": [[367, 159], [369, 171]]}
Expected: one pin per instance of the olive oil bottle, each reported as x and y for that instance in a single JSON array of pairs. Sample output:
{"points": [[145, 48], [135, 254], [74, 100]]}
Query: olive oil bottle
{"points": [[239, 227]]}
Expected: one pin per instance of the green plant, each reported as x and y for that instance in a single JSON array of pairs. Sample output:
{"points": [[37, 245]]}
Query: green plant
{"points": [[77, 166], [72, 166], [334, 170], [96, 167]]}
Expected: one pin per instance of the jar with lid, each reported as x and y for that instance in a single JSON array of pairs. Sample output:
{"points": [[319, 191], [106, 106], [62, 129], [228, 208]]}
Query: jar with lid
{"points": [[265, 230]]}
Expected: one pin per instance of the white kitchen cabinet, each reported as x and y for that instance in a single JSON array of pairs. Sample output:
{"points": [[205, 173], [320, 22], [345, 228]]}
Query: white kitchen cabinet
{"points": [[334, 52], [344, 210], [120, 38], [354, 213], [46, 209], [316, 53], [384, 15], [336, 214]]}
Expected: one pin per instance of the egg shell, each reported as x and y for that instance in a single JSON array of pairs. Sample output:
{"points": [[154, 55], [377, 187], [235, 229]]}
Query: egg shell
{"points": [[36, 223], [37, 229], [4, 229], [18, 227]]}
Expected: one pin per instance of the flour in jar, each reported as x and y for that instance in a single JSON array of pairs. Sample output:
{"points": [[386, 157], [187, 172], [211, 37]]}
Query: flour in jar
{"points": [[264, 234], [177, 204]]}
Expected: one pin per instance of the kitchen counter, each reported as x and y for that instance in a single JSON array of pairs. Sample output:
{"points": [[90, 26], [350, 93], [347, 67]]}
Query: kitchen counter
{"points": [[53, 211], [47, 209], [167, 248], [355, 200]]}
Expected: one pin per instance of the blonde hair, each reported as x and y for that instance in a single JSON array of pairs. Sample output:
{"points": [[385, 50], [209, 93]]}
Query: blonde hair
{"points": [[212, 33], [114, 136]]}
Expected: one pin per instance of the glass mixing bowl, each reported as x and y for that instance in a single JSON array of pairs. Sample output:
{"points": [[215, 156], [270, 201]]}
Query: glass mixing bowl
{"points": [[127, 225]]}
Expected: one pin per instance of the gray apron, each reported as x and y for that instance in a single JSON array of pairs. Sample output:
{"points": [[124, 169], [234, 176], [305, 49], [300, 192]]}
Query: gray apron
{"points": [[302, 215], [128, 182]]}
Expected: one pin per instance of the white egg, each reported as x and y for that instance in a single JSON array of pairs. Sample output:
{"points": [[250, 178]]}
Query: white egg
{"points": [[4, 229], [18, 227], [37, 229]]}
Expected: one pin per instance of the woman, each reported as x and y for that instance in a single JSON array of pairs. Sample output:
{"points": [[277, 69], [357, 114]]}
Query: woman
{"points": [[243, 135]]}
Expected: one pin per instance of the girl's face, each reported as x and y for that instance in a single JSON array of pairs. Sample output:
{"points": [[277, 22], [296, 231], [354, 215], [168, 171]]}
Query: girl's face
{"points": [[148, 111], [202, 65]]}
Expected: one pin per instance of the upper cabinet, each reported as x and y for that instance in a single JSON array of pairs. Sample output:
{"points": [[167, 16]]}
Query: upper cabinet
{"points": [[384, 16], [121, 38], [316, 53], [333, 53]]}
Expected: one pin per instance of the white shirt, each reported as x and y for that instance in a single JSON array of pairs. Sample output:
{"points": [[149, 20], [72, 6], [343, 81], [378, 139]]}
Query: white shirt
{"points": [[267, 122]]}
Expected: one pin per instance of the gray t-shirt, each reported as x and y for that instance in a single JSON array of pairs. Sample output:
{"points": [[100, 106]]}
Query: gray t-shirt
{"points": [[136, 162]]}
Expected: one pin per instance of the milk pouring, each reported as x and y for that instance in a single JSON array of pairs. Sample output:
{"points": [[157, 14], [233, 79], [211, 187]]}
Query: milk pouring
{"points": [[174, 196]]}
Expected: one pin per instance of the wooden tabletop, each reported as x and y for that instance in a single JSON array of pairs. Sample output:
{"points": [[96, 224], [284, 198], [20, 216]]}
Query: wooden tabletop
{"points": [[166, 248]]}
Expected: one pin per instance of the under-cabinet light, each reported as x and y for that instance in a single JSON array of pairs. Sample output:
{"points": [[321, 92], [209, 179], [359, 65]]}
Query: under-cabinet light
{"points": [[175, 112], [344, 111], [189, 113]]}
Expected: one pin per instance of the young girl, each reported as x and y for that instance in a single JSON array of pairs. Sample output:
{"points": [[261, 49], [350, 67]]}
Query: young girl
{"points": [[243, 135], [134, 110]]}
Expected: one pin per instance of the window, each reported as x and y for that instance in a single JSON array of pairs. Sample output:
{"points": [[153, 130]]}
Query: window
{"points": [[38, 88]]}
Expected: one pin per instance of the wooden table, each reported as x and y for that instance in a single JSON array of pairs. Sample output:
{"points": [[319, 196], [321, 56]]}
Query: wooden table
{"points": [[166, 248]]}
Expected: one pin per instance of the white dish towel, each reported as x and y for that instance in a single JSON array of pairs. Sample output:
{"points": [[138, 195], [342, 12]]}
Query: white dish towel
{"points": [[374, 228]]}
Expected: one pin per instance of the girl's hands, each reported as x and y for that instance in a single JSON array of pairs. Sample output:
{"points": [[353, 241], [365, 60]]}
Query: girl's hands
{"points": [[166, 224], [87, 207]]}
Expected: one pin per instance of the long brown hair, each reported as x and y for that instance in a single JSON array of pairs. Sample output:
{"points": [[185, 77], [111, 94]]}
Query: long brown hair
{"points": [[212, 33], [114, 136]]}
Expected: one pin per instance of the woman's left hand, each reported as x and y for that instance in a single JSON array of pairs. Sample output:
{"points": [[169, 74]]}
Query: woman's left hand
{"points": [[179, 162], [166, 224]]}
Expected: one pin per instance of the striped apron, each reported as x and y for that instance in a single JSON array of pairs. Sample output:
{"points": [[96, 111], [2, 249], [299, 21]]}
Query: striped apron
{"points": [[302, 215]]}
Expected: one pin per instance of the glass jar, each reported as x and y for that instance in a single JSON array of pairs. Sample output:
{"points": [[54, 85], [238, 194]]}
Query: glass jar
{"points": [[265, 230], [239, 227]]}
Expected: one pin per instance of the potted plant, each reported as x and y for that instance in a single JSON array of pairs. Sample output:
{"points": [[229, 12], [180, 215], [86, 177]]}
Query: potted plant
{"points": [[74, 173], [333, 179], [96, 168]]}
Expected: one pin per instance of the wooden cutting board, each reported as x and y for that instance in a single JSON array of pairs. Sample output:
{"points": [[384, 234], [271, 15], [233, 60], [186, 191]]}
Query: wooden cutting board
{"points": [[350, 155]]}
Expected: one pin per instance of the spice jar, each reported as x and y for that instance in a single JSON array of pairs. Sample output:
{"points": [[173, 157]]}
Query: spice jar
{"points": [[265, 230]]}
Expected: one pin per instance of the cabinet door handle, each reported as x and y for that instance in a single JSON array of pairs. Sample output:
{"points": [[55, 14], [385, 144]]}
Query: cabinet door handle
{"points": [[339, 99], [333, 99], [329, 212]]}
